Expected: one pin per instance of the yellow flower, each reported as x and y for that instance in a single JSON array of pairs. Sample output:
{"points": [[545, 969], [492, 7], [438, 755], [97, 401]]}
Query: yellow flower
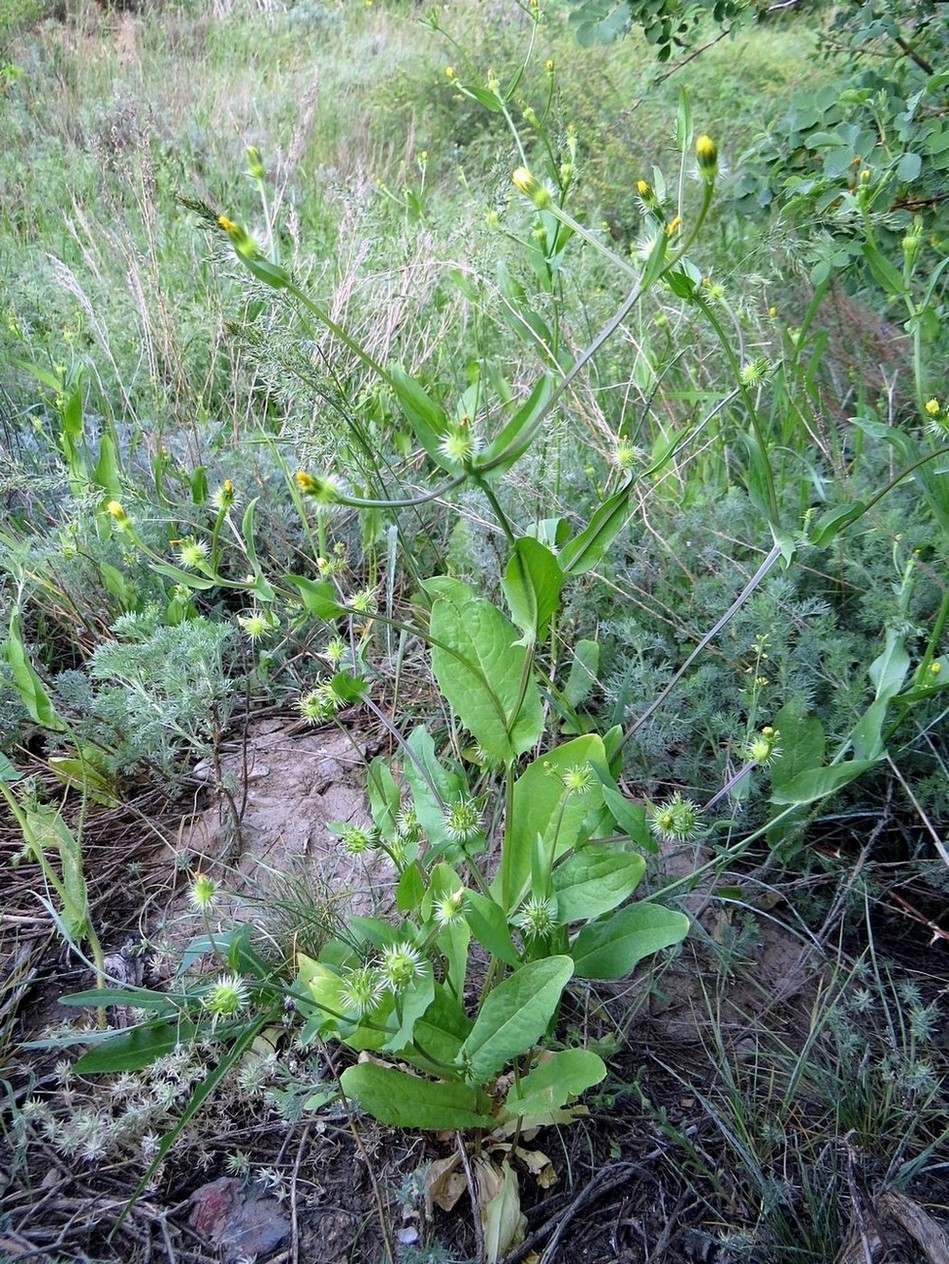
{"points": [[706, 155], [115, 510], [531, 187], [932, 407]]}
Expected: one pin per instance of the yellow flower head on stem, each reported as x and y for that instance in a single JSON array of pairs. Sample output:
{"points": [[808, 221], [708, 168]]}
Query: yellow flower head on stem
{"points": [[531, 187], [706, 155]]}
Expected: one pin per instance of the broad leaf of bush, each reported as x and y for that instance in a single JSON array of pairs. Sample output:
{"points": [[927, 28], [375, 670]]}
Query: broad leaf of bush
{"points": [[514, 1016], [480, 671], [613, 946], [406, 1101]]}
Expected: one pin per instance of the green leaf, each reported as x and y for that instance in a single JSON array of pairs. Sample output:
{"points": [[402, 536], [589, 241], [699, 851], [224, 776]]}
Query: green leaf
{"points": [[439, 1033], [556, 1080], [135, 1048], [31, 689], [589, 548], [514, 1016], [247, 531], [431, 785], [595, 880], [319, 598], [427, 419], [140, 998], [406, 1101], [80, 775], [583, 672], [199, 485], [802, 744], [542, 809], [481, 671], [613, 946], [867, 735], [411, 889], [531, 585], [505, 448], [490, 100], [833, 522], [270, 273], [817, 783], [884, 272], [385, 801], [189, 580], [453, 943], [322, 990], [888, 671], [489, 926], [8, 772], [909, 167], [106, 472], [46, 828], [413, 1004]]}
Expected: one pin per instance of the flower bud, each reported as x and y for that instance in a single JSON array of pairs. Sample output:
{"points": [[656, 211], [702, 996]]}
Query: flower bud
{"points": [[255, 163], [115, 510], [531, 187], [706, 155]]}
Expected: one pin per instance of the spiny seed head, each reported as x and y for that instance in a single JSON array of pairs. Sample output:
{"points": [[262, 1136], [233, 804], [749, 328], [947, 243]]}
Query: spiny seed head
{"points": [[192, 554], [763, 749], [537, 918], [204, 892], [462, 821], [334, 651], [356, 841], [399, 965], [408, 825], [319, 704], [361, 990], [255, 625], [363, 601], [227, 997], [449, 909], [223, 498], [676, 820], [457, 444], [578, 779], [755, 372], [626, 456]]}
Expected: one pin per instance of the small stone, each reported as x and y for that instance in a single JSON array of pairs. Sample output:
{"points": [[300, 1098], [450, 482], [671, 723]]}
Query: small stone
{"points": [[240, 1220]]}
